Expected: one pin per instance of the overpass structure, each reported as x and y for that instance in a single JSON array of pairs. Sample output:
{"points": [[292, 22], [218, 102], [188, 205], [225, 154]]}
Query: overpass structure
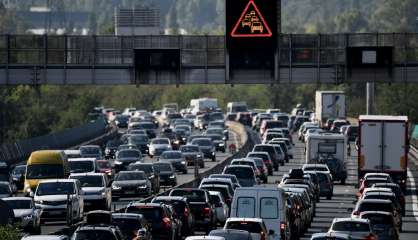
{"points": [[298, 58]]}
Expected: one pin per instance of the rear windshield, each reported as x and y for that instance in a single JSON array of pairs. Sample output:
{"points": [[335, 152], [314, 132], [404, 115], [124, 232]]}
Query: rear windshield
{"points": [[191, 195], [81, 166], [378, 218], [262, 156], [313, 169], [163, 167], [349, 226], [223, 191], [160, 141], [171, 155], [95, 234], [126, 225], [178, 206], [202, 142], [373, 206], [129, 154], [370, 182], [152, 214], [146, 168], [189, 148], [89, 181], [252, 227], [240, 172]]}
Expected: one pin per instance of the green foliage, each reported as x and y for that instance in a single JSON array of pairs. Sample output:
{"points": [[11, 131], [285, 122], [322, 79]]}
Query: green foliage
{"points": [[9, 233]]}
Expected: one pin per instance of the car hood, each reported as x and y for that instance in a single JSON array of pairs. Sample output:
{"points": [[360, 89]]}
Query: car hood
{"points": [[92, 189], [22, 212], [166, 173], [130, 183]]}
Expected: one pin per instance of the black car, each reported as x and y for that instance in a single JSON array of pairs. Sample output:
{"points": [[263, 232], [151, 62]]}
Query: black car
{"points": [[337, 168], [18, 175], [163, 226], [200, 206], [150, 171], [193, 155], [218, 141], [132, 225], [126, 157], [112, 148], [141, 141], [167, 173], [182, 210], [176, 159], [206, 146], [121, 121], [149, 127], [131, 183]]}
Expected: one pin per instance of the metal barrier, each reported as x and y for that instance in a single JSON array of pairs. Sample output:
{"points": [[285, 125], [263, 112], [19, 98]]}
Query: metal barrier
{"points": [[94, 133]]}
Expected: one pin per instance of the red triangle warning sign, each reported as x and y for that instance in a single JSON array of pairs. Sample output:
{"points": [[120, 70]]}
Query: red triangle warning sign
{"points": [[251, 23]]}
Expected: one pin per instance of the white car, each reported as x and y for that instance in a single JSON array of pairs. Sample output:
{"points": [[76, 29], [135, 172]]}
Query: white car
{"points": [[221, 208], [27, 216], [255, 226], [60, 199], [97, 193], [356, 228], [158, 146], [82, 165]]}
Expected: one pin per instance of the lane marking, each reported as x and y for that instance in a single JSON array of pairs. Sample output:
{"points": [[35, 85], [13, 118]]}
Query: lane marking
{"points": [[413, 196]]}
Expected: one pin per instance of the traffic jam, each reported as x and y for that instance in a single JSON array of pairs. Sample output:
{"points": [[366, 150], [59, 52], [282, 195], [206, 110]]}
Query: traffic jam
{"points": [[130, 189]]}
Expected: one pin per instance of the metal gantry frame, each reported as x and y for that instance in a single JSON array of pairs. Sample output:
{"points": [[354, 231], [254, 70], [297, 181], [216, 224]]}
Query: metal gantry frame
{"points": [[108, 60]]}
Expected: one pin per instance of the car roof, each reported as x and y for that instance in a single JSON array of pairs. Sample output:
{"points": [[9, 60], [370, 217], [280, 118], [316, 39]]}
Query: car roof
{"points": [[373, 201], [238, 219], [81, 159], [127, 215], [330, 234], [362, 220], [44, 237], [136, 171], [239, 166], [227, 180], [86, 174], [58, 180], [177, 198], [375, 212], [139, 204]]}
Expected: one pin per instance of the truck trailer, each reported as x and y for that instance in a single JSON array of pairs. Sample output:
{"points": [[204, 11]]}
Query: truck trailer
{"points": [[329, 105]]}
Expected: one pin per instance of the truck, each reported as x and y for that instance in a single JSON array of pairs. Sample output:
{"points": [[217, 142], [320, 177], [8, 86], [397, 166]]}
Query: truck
{"points": [[383, 146], [235, 107], [203, 105], [329, 105]]}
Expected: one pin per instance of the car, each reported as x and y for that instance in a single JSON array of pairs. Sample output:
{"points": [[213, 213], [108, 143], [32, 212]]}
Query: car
{"points": [[316, 168], [177, 160], [250, 162], [121, 121], [231, 234], [231, 177], [296, 215], [52, 196], [27, 216], [132, 226], [326, 186], [223, 189], [364, 205], [96, 189], [356, 228], [368, 182], [91, 151], [151, 172], [384, 196], [111, 148], [45, 237], [206, 146], [148, 126], [167, 173], [274, 156], [382, 223], [158, 216], [218, 141], [219, 181], [141, 142], [5, 190], [200, 206], [158, 146], [100, 231], [221, 207], [395, 189], [182, 209], [337, 168], [126, 157], [267, 203], [103, 166], [18, 175], [307, 204], [262, 168], [244, 118], [131, 183], [193, 155], [266, 159], [245, 174], [255, 226], [82, 165]]}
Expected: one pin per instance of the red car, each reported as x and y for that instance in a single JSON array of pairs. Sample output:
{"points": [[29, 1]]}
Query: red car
{"points": [[103, 166]]}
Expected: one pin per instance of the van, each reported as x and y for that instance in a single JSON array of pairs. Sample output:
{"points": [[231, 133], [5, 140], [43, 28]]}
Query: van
{"points": [[45, 164], [266, 203]]}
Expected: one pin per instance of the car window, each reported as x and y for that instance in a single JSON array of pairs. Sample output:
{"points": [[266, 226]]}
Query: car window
{"points": [[55, 188], [130, 176], [89, 181], [246, 207], [374, 206], [350, 226], [252, 227], [240, 172], [93, 234], [191, 195], [81, 166], [19, 204], [152, 214], [269, 208], [129, 154]]}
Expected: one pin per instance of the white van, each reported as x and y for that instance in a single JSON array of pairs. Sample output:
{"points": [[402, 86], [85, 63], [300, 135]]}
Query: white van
{"points": [[267, 203]]}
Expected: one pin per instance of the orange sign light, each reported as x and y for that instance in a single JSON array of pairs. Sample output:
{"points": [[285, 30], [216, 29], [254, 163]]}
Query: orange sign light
{"points": [[251, 23]]}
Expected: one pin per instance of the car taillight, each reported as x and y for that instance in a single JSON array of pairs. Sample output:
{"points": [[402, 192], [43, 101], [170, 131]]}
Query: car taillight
{"points": [[356, 213], [228, 200], [262, 236], [166, 222], [282, 230], [186, 212], [371, 237], [206, 211]]}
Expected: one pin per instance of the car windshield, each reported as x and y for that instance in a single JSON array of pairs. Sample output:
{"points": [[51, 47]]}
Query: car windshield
{"points": [[138, 138], [55, 188], [44, 171], [152, 214], [103, 164], [161, 141], [252, 227], [19, 204], [171, 155], [129, 154], [351, 226], [163, 167], [178, 206], [240, 172], [202, 142], [370, 182], [378, 218], [4, 189], [233, 179], [89, 150], [128, 226], [89, 181], [191, 195], [189, 148], [81, 166], [126, 176], [230, 235], [147, 168], [95, 234]]}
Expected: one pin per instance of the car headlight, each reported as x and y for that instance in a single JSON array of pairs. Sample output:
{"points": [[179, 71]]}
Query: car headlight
{"points": [[118, 162], [199, 156], [142, 186], [184, 139], [117, 122], [213, 153], [221, 144], [116, 187], [172, 176], [27, 217], [183, 162]]}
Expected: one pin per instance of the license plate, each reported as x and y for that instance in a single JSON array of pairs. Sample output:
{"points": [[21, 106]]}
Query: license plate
{"points": [[87, 203], [130, 192]]}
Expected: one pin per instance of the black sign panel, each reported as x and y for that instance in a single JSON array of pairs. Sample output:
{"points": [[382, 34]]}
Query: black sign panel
{"points": [[251, 23]]}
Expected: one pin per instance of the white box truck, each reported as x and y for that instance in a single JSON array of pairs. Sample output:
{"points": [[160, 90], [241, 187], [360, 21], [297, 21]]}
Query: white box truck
{"points": [[329, 104], [202, 105], [383, 146]]}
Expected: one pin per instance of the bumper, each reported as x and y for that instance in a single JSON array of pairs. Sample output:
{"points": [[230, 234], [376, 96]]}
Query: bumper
{"points": [[130, 192], [168, 181], [54, 213]]}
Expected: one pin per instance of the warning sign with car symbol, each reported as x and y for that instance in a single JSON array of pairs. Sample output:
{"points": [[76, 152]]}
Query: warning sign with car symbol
{"points": [[251, 23]]}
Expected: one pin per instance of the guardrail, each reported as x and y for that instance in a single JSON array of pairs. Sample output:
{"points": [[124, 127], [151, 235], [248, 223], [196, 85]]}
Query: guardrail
{"points": [[90, 133], [247, 139]]}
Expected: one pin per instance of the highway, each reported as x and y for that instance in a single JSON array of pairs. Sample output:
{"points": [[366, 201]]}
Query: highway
{"points": [[52, 227]]}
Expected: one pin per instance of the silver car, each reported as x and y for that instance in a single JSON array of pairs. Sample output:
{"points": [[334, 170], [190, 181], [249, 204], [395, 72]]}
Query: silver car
{"points": [[27, 216]]}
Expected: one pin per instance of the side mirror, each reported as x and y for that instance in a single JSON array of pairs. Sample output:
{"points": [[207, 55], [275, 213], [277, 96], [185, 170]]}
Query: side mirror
{"points": [[31, 194], [271, 232]]}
